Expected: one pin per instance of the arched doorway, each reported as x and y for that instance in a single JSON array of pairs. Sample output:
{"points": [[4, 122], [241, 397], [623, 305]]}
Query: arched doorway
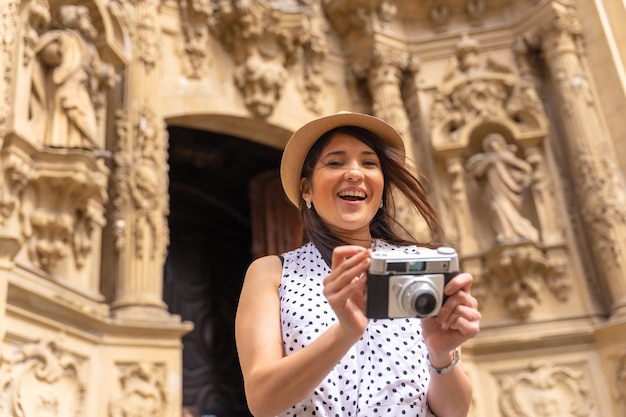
{"points": [[211, 234]]}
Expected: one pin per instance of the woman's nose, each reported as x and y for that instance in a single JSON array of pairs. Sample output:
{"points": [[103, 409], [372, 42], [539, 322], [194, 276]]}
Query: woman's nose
{"points": [[354, 173]]}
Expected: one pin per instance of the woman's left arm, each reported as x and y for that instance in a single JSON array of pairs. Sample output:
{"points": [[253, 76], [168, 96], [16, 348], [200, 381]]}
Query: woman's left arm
{"points": [[450, 390]]}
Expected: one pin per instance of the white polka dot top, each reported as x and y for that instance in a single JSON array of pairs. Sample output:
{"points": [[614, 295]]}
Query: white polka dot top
{"points": [[383, 374]]}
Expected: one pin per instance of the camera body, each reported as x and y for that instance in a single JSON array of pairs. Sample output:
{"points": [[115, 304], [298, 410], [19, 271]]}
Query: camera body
{"points": [[409, 283]]}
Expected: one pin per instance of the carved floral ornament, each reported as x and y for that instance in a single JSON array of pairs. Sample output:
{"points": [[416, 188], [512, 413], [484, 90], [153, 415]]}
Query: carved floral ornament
{"points": [[265, 40], [545, 390], [41, 379], [142, 391]]}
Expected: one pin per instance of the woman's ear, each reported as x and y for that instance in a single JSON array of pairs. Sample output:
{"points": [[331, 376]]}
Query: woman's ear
{"points": [[305, 188]]}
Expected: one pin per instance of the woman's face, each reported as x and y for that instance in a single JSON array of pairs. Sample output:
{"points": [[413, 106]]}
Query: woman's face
{"points": [[346, 186]]}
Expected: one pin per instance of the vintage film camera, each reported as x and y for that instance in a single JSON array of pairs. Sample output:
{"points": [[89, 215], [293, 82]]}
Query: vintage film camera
{"points": [[409, 283]]}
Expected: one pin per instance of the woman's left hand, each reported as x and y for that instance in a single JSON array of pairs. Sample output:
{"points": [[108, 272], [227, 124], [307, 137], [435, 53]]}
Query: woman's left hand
{"points": [[457, 321]]}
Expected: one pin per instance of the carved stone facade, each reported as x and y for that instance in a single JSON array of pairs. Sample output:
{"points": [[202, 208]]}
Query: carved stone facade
{"points": [[513, 109]]}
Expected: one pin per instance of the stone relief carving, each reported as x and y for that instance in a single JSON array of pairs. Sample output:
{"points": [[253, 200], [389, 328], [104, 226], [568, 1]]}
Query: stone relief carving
{"points": [[475, 10], [504, 177], [475, 86], [439, 17], [194, 46], [620, 378], [38, 18], [545, 390], [518, 273], [596, 178], [8, 26], [485, 102], [265, 40], [61, 208], [138, 173], [41, 379], [68, 83], [142, 391]]}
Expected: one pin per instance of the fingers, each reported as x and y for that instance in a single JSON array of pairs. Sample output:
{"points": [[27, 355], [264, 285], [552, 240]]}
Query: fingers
{"points": [[460, 282], [348, 263], [460, 311]]}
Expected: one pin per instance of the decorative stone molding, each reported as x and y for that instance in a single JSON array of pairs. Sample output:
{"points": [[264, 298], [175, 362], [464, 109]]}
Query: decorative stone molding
{"points": [[267, 39], [60, 196], [545, 390], [518, 273], [620, 378], [41, 379], [142, 391]]}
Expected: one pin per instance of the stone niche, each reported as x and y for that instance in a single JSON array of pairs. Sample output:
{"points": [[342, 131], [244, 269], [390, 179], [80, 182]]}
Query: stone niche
{"points": [[489, 133]]}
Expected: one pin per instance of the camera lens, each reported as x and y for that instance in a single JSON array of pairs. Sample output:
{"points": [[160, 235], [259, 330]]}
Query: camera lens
{"points": [[424, 303], [419, 298]]}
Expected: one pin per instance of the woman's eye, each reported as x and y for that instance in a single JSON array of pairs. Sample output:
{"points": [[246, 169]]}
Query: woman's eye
{"points": [[334, 163]]}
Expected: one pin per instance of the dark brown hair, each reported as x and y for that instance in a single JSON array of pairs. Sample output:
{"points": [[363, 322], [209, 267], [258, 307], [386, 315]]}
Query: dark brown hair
{"points": [[396, 176]]}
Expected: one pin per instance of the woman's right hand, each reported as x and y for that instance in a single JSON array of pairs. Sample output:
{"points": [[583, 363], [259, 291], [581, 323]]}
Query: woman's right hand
{"points": [[344, 287]]}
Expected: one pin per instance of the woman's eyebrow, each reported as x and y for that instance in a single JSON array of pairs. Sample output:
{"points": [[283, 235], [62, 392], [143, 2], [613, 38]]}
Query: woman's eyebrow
{"points": [[343, 152]]}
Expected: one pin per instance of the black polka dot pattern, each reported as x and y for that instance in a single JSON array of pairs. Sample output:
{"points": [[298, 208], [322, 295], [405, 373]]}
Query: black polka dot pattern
{"points": [[383, 374]]}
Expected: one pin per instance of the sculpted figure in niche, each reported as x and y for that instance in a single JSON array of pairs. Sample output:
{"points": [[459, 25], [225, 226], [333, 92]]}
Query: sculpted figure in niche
{"points": [[67, 83], [504, 177]]}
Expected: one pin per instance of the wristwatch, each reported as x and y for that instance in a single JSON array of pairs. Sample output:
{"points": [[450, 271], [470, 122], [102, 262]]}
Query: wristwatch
{"points": [[445, 370]]}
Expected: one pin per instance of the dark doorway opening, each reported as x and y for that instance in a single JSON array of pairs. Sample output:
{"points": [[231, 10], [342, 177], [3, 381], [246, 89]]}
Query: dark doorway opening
{"points": [[210, 249]]}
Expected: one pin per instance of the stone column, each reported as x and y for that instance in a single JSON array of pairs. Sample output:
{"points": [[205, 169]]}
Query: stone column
{"points": [[10, 239], [598, 182], [140, 180], [386, 68], [383, 67]]}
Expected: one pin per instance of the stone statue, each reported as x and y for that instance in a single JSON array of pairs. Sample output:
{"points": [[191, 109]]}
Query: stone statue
{"points": [[67, 83], [504, 178]]}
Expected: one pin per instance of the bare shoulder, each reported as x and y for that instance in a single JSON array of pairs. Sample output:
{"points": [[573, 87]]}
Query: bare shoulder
{"points": [[266, 270]]}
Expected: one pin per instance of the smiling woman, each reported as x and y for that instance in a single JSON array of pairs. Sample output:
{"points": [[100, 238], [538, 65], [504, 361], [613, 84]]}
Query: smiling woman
{"points": [[307, 306]]}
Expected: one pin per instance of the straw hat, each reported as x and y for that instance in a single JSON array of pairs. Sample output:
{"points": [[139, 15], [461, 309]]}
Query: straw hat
{"points": [[303, 139]]}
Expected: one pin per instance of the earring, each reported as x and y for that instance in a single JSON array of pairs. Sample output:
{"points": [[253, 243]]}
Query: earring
{"points": [[308, 203], [381, 203]]}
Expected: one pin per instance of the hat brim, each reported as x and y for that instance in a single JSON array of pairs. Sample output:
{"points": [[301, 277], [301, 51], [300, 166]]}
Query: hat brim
{"points": [[303, 139]]}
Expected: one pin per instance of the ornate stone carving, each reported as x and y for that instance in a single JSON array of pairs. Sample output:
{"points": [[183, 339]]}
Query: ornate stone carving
{"points": [[139, 175], [142, 389], [476, 10], [41, 379], [265, 40], [68, 83], [545, 390], [620, 378], [38, 18], [62, 208], [597, 179], [518, 274], [194, 46], [474, 91], [439, 16], [504, 177], [8, 27]]}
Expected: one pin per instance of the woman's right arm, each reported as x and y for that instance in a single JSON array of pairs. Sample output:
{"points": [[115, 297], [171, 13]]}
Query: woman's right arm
{"points": [[273, 381]]}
